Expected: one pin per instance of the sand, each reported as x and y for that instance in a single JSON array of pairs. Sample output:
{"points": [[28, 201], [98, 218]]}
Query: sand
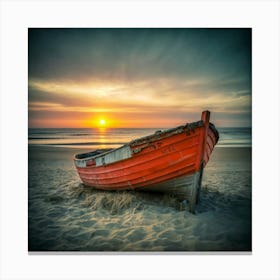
{"points": [[64, 215]]}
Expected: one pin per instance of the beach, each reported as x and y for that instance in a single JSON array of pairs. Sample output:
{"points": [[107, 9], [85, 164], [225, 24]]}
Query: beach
{"points": [[64, 215]]}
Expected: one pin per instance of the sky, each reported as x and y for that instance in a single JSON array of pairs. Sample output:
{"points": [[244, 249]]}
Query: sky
{"points": [[138, 77]]}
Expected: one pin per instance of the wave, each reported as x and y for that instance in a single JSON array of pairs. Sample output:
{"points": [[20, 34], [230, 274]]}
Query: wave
{"points": [[110, 144], [229, 137], [45, 138], [82, 144]]}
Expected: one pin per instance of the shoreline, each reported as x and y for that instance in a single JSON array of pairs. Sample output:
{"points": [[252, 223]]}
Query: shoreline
{"points": [[81, 148], [52, 152]]}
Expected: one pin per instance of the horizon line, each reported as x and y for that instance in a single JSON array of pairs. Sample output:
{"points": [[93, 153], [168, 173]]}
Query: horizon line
{"points": [[128, 127]]}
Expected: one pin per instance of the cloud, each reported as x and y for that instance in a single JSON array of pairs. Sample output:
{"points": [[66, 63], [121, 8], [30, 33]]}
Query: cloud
{"points": [[170, 73], [131, 54], [141, 96]]}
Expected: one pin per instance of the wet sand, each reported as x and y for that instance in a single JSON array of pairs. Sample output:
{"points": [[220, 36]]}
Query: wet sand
{"points": [[64, 215]]}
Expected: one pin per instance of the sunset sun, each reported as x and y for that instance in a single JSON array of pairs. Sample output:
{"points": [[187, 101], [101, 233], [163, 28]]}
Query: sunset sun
{"points": [[102, 122]]}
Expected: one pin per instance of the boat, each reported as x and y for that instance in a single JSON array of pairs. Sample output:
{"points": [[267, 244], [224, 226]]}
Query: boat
{"points": [[170, 161]]}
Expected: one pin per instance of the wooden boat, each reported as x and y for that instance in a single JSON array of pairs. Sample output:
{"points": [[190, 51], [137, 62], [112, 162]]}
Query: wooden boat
{"points": [[167, 161]]}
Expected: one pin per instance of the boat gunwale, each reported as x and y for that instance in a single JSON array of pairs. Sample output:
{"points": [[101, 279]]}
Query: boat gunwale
{"points": [[149, 138], [89, 168]]}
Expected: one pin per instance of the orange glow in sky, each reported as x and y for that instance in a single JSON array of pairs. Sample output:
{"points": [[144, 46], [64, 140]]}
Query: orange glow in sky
{"points": [[85, 104]]}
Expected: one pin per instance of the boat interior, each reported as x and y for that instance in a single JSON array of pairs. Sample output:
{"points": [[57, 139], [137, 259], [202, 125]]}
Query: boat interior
{"points": [[92, 154]]}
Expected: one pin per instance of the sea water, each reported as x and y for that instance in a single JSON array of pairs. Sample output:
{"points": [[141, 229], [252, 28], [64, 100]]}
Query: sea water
{"points": [[114, 137]]}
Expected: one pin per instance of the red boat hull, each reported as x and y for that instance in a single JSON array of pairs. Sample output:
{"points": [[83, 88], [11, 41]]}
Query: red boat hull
{"points": [[168, 161]]}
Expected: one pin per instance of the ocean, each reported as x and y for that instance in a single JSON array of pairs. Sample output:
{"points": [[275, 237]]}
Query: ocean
{"points": [[113, 137], [66, 216]]}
